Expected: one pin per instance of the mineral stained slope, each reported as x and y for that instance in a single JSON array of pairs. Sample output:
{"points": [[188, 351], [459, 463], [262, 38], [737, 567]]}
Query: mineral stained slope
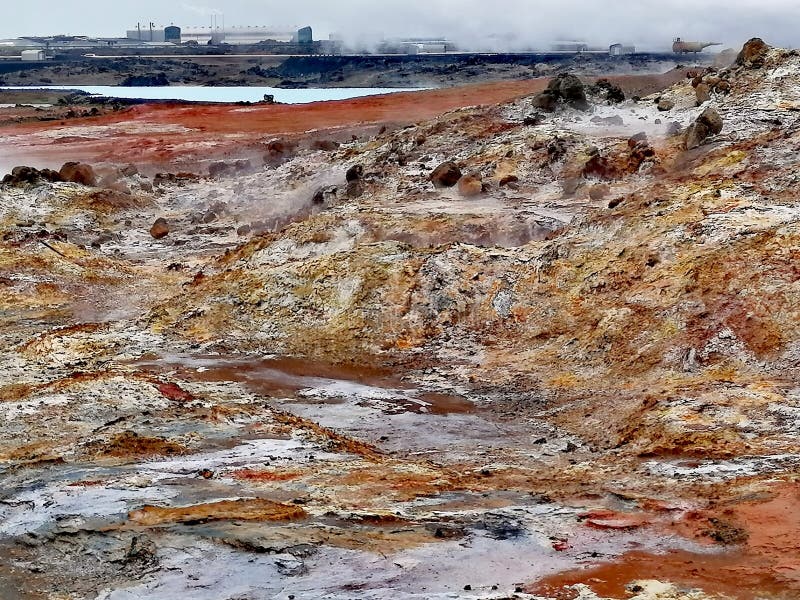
{"points": [[574, 374]]}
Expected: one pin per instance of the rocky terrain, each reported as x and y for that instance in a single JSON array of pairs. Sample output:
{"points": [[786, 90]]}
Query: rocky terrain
{"points": [[543, 349], [400, 71]]}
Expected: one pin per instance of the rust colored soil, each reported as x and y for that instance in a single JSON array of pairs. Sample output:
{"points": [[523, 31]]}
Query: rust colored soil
{"points": [[137, 134], [766, 565], [128, 444], [264, 475], [240, 510]]}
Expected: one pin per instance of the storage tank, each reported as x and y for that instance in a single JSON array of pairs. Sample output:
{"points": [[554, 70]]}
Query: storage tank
{"points": [[681, 47]]}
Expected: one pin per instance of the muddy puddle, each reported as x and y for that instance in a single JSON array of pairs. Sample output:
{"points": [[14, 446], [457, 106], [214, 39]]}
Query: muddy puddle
{"points": [[733, 575], [311, 382]]}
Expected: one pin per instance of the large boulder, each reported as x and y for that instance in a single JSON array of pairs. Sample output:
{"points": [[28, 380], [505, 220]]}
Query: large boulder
{"points": [[566, 88], [753, 53], [445, 175], [570, 89], [707, 124], [546, 101], [75, 172], [712, 119]]}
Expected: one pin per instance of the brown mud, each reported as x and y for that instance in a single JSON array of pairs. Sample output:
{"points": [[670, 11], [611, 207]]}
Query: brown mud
{"points": [[759, 561]]}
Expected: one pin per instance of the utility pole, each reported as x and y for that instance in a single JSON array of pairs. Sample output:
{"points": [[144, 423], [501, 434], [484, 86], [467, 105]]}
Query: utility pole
{"points": [[139, 29], [152, 25]]}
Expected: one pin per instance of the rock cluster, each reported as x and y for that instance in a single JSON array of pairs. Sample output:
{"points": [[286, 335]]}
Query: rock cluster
{"points": [[564, 89], [704, 83], [26, 175], [71, 172], [608, 91]]}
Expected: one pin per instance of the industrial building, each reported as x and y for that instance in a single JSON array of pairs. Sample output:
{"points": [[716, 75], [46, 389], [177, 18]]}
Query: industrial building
{"points": [[621, 50], [33, 55], [234, 36], [70, 42]]}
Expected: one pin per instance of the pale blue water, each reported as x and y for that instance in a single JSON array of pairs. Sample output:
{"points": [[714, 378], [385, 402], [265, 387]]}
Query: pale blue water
{"points": [[222, 94]]}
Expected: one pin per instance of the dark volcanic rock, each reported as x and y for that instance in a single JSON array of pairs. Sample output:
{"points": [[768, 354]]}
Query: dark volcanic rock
{"points": [[566, 88], [712, 119], [158, 80], [611, 92], [23, 175], [445, 175], [325, 145], [570, 89], [354, 173], [546, 101]]}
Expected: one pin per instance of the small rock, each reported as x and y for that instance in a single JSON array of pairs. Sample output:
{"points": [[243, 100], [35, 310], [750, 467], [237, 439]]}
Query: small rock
{"points": [[470, 186], [723, 87], [665, 104], [703, 93], [508, 179], [322, 195], [160, 229], [325, 145], [445, 175], [533, 120], [129, 170], [614, 120]]}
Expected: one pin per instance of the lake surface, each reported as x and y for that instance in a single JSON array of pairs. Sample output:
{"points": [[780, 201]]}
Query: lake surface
{"points": [[222, 94]]}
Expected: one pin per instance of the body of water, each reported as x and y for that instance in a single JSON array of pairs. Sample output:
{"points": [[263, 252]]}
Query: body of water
{"points": [[222, 94]]}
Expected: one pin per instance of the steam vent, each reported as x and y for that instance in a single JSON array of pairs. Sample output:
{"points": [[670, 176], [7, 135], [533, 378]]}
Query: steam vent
{"points": [[528, 333]]}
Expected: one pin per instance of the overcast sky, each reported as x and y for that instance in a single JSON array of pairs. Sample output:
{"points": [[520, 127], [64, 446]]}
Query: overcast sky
{"points": [[647, 23]]}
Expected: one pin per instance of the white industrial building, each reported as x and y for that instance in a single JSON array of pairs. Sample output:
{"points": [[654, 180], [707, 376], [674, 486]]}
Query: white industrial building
{"points": [[236, 36], [33, 55], [621, 50]]}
